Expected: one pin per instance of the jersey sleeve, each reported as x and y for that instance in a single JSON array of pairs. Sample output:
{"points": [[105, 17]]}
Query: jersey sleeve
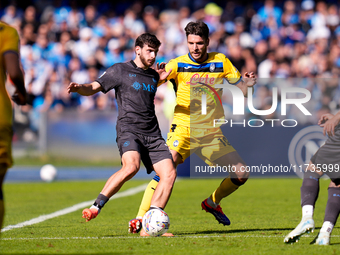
{"points": [[232, 75], [172, 65], [110, 79], [10, 40]]}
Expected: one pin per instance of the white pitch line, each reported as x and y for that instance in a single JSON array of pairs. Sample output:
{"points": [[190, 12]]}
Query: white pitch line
{"points": [[139, 237], [73, 208]]}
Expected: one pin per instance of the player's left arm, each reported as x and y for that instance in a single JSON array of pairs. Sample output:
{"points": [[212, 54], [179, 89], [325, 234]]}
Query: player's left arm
{"points": [[249, 80], [329, 122], [234, 77]]}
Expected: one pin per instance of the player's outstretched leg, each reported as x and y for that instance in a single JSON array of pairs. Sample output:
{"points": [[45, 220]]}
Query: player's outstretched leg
{"points": [[309, 195], [211, 204], [131, 164], [228, 186]]}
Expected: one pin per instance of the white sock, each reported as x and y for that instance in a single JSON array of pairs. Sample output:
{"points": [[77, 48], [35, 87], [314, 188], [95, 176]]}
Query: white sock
{"points": [[307, 210], [211, 203], [327, 226], [154, 207]]}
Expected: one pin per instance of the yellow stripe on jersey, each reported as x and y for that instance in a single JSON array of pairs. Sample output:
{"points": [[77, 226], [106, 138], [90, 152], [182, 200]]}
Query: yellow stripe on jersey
{"points": [[191, 80]]}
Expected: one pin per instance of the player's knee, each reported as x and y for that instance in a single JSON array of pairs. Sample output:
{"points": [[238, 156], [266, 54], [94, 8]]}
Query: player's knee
{"points": [[169, 177], [239, 178], [311, 175], [130, 170], [239, 181], [173, 175]]}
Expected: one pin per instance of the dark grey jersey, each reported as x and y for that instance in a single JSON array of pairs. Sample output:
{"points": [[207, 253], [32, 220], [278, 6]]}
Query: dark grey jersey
{"points": [[135, 93]]}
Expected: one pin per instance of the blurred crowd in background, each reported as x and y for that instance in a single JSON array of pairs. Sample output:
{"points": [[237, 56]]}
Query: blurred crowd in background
{"points": [[63, 41]]}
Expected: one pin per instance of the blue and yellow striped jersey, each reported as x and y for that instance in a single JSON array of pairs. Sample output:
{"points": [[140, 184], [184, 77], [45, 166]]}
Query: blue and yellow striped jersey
{"points": [[191, 79]]}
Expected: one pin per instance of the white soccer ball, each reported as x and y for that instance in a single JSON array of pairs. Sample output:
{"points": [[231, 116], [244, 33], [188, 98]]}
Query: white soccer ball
{"points": [[48, 173], [156, 222]]}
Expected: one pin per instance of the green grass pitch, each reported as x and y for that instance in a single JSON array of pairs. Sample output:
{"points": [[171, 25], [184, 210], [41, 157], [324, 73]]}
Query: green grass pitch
{"points": [[262, 212]]}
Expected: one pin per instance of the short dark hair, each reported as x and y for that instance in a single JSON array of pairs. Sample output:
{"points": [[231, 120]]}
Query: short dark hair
{"points": [[197, 28], [147, 39]]}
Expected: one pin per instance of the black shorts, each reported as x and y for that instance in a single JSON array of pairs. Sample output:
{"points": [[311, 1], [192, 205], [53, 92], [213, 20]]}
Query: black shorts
{"points": [[151, 148], [327, 158]]}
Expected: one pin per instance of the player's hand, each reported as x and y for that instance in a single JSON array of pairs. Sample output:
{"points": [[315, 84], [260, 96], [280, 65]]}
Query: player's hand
{"points": [[18, 98], [73, 87], [249, 79], [160, 69], [324, 117], [330, 124]]}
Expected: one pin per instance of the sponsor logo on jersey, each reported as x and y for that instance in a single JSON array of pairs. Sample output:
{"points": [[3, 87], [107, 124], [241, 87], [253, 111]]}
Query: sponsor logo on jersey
{"points": [[150, 88], [136, 85]]}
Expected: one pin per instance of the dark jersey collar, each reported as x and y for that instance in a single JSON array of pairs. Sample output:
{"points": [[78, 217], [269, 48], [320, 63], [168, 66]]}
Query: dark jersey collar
{"points": [[133, 63], [135, 66]]}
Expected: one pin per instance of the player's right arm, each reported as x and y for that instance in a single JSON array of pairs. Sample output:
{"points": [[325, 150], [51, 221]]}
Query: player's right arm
{"points": [[86, 89]]}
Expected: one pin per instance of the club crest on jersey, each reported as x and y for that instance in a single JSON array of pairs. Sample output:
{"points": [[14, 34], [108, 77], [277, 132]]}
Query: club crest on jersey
{"points": [[212, 67]]}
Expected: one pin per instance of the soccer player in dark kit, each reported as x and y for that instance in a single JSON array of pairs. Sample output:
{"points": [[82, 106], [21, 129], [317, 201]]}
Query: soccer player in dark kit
{"points": [[138, 134], [325, 161]]}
